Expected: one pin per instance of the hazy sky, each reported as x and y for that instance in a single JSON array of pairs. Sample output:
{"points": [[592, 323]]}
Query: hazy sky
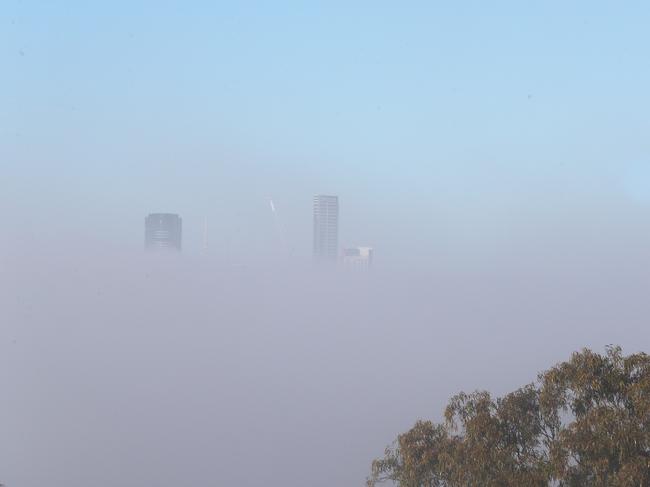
{"points": [[495, 154], [444, 128]]}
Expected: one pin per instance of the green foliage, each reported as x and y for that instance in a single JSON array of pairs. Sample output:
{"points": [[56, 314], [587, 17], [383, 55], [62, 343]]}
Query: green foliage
{"points": [[583, 422]]}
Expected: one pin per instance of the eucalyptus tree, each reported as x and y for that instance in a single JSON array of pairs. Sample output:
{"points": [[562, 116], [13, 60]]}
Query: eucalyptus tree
{"points": [[585, 421]]}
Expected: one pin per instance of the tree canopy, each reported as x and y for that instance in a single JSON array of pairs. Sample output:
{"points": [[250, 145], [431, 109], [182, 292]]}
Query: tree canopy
{"points": [[583, 422]]}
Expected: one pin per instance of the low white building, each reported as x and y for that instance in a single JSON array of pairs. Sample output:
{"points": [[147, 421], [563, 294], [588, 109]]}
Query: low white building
{"points": [[359, 258]]}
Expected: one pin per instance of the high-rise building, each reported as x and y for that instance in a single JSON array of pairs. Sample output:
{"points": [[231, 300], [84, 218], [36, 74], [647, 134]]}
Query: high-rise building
{"points": [[163, 231], [357, 258], [326, 227]]}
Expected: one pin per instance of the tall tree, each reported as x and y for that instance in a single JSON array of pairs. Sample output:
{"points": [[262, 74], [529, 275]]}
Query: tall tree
{"points": [[583, 422]]}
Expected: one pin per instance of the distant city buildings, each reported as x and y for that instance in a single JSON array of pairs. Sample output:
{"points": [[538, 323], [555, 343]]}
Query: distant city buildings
{"points": [[357, 258], [163, 231], [326, 227]]}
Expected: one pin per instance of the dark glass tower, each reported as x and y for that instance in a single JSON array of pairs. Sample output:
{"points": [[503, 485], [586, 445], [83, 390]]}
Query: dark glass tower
{"points": [[163, 231]]}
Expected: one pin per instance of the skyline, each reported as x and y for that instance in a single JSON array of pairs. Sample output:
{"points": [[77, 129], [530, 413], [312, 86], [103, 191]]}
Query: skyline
{"points": [[438, 133], [164, 230]]}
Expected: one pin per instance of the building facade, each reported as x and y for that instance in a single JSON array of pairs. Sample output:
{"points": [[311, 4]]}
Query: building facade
{"points": [[357, 258], [326, 227], [163, 231]]}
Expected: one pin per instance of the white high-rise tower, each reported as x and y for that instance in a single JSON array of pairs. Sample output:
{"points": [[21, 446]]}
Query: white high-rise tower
{"points": [[326, 227]]}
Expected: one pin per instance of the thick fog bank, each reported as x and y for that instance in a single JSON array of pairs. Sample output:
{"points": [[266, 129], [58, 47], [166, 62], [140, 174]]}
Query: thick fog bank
{"points": [[128, 369]]}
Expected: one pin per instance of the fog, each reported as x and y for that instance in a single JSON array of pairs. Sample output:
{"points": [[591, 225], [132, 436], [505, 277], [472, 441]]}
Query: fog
{"points": [[494, 155], [124, 368]]}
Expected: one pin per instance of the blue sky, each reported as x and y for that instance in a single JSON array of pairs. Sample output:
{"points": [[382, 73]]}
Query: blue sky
{"points": [[456, 124]]}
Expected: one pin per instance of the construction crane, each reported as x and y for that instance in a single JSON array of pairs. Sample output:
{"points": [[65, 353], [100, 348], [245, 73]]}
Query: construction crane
{"points": [[280, 229]]}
